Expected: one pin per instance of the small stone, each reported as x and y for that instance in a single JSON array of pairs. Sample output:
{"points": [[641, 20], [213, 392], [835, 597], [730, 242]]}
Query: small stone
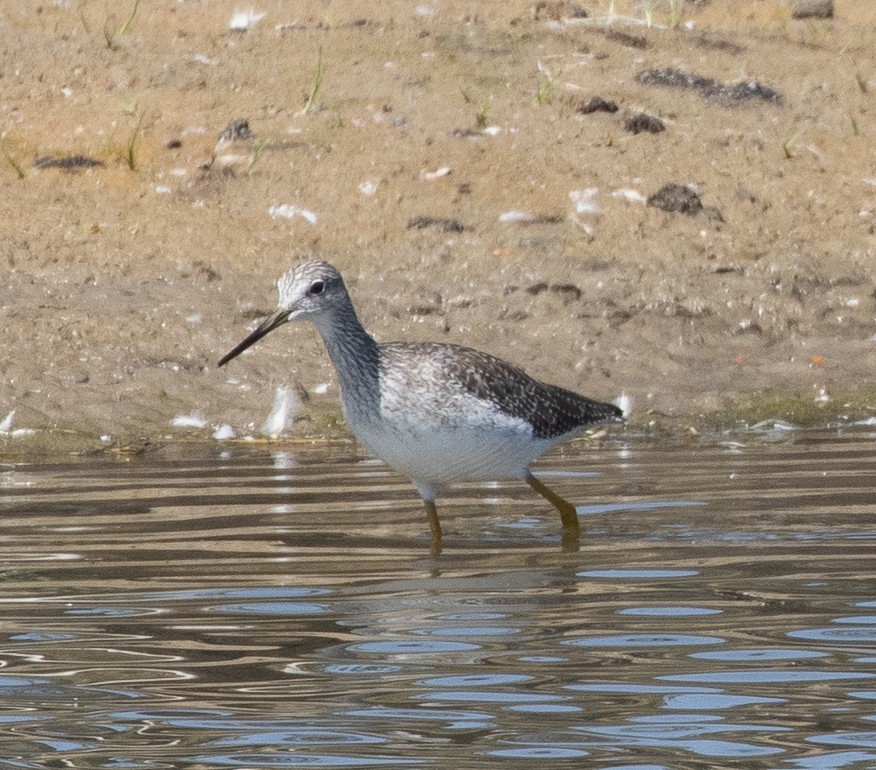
{"points": [[812, 9], [556, 11], [68, 162], [721, 93], [676, 197], [445, 225], [235, 130], [643, 123], [597, 104]]}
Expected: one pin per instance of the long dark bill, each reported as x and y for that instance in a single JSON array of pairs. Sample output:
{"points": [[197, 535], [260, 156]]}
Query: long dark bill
{"points": [[268, 325]]}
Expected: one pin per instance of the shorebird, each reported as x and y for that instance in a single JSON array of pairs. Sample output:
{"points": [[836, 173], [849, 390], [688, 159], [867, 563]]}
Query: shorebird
{"points": [[436, 412]]}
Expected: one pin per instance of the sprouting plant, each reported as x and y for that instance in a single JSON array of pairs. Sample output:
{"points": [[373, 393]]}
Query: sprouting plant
{"points": [[481, 117], [109, 36], [257, 151], [862, 82], [84, 22], [11, 161], [544, 93], [674, 13], [788, 144], [130, 155], [856, 129], [315, 85], [126, 27]]}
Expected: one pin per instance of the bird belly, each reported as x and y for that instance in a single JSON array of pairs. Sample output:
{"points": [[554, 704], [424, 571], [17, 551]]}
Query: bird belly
{"points": [[438, 455], [434, 431]]}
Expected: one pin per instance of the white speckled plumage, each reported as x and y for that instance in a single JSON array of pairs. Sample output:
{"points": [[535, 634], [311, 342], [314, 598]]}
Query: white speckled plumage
{"points": [[437, 413]]}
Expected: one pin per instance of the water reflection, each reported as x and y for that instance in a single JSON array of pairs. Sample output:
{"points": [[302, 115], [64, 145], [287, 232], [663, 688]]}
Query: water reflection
{"points": [[280, 609]]}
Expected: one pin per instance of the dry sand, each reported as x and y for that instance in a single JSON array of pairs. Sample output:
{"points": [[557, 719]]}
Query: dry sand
{"points": [[125, 281]]}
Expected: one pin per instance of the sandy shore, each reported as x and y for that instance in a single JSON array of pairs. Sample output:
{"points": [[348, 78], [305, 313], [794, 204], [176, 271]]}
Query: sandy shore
{"points": [[449, 159]]}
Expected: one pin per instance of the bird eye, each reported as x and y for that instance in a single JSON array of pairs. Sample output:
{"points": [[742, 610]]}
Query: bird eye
{"points": [[316, 288]]}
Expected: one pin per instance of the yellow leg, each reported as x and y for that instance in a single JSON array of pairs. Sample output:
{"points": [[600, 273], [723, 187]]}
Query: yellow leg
{"points": [[434, 525], [568, 514]]}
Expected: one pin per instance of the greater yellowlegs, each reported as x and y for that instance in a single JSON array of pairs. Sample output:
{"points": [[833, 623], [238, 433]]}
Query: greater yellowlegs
{"points": [[437, 413]]}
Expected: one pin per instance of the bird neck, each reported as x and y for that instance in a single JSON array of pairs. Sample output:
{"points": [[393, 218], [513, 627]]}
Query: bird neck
{"points": [[354, 354]]}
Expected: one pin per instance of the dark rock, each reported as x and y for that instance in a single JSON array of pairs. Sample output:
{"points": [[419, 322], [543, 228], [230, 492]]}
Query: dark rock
{"points": [[713, 44], [542, 244], [360, 24], [554, 10], [812, 9], [642, 122], [236, 129], [741, 92], [597, 104], [67, 162], [625, 38], [466, 133], [568, 292], [674, 77], [727, 269], [709, 88], [676, 197], [443, 224]]}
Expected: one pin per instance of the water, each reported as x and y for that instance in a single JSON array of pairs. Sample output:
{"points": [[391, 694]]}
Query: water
{"points": [[255, 608]]}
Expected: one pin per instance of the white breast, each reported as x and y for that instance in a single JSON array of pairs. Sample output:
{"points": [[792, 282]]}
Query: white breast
{"points": [[435, 445]]}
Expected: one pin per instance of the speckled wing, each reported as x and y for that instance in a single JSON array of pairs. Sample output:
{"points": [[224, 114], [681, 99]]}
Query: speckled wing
{"points": [[550, 410]]}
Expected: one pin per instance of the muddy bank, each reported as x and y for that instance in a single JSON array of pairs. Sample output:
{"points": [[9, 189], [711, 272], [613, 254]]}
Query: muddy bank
{"points": [[454, 166]]}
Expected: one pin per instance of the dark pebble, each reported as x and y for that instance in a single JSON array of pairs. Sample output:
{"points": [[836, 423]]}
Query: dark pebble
{"points": [[709, 88], [812, 9], [542, 244], [643, 123], [360, 24], [68, 162], [742, 92], [713, 44], [597, 104], [466, 133], [556, 10], [568, 292], [673, 77], [443, 224], [236, 129], [625, 38], [676, 197]]}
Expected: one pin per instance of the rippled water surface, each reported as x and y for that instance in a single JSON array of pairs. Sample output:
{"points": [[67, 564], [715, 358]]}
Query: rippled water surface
{"points": [[258, 608]]}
